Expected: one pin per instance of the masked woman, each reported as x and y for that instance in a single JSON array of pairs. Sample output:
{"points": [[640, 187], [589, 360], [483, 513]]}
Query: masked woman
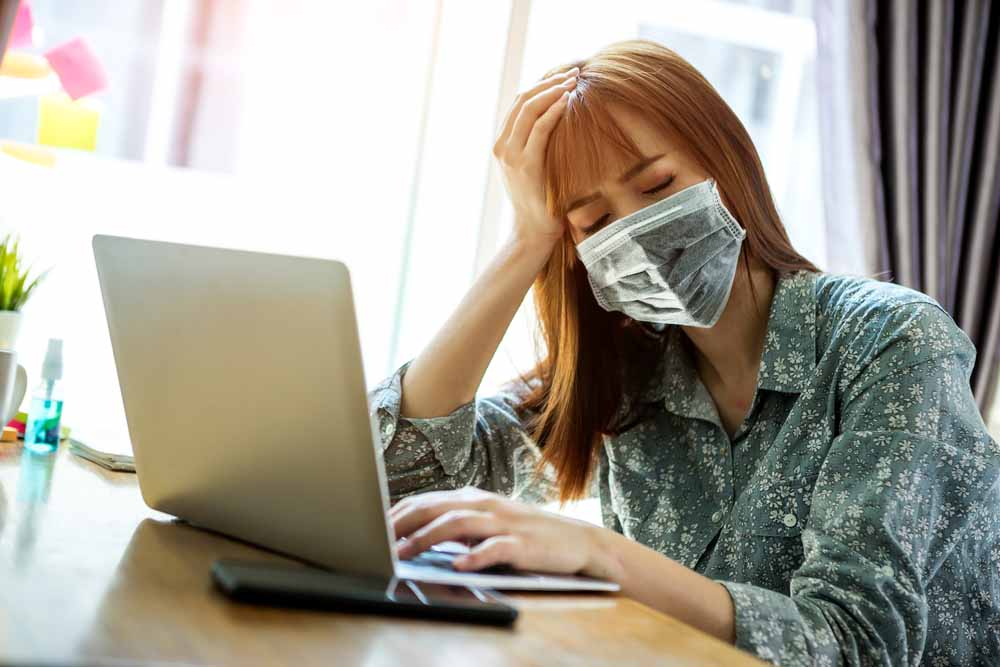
{"points": [[789, 460]]}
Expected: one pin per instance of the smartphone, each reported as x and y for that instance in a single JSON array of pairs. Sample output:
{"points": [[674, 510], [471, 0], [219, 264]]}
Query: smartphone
{"points": [[290, 585]]}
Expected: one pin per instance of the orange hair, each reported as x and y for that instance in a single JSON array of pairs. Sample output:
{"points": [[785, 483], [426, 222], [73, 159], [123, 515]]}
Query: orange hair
{"points": [[594, 359]]}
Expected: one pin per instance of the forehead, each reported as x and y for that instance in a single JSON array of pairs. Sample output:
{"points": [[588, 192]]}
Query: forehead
{"points": [[597, 147], [644, 134]]}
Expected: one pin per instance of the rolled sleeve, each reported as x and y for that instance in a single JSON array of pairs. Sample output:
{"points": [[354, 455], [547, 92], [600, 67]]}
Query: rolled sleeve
{"points": [[778, 628], [911, 474], [481, 443]]}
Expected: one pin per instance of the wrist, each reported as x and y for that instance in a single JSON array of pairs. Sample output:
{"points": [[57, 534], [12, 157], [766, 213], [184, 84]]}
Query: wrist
{"points": [[522, 256], [604, 559], [532, 245]]}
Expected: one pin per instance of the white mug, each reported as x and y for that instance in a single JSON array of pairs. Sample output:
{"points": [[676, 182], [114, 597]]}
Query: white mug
{"points": [[13, 385]]}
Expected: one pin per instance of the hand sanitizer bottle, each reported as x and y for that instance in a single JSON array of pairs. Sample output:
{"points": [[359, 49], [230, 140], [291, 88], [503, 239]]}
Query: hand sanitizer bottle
{"points": [[42, 431]]}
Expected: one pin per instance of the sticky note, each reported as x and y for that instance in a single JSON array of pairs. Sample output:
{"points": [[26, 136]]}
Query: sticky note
{"points": [[39, 155], [24, 23], [77, 67], [67, 123], [24, 65], [19, 422]]}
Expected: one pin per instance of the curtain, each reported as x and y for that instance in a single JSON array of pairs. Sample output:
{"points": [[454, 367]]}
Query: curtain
{"points": [[911, 143]]}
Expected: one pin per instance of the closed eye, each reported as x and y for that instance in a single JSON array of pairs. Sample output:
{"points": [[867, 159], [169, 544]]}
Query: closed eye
{"points": [[597, 223], [659, 187], [600, 221]]}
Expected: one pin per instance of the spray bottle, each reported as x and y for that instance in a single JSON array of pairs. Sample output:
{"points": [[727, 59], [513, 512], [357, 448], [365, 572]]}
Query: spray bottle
{"points": [[45, 414]]}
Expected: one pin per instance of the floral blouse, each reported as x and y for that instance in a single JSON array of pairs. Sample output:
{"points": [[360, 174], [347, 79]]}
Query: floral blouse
{"points": [[854, 516]]}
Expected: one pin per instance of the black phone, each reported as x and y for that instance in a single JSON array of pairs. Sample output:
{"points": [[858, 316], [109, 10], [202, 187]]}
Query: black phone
{"points": [[290, 585]]}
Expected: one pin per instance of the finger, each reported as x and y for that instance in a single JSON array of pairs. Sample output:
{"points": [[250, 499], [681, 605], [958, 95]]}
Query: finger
{"points": [[398, 507], [418, 515], [498, 549], [539, 136], [525, 95], [408, 503], [404, 503], [530, 113], [416, 499], [521, 98], [454, 525]]}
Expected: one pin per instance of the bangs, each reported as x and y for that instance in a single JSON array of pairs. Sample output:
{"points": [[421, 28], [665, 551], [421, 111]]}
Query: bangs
{"points": [[586, 147]]}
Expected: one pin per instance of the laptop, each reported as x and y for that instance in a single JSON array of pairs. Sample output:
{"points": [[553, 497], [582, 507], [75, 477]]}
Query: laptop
{"points": [[244, 392]]}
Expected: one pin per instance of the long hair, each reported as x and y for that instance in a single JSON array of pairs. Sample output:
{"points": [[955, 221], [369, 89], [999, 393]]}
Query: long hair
{"points": [[594, 359]]}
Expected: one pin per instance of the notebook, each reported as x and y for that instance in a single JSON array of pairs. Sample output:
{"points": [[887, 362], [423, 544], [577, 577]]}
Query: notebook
{"points": [[115, 453]]}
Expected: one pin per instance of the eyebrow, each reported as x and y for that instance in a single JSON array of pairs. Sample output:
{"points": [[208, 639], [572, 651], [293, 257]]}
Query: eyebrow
{"points": [[628, 175]]}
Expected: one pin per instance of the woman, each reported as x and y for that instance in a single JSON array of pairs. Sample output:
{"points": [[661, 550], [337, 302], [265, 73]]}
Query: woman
{"points": [[788, 460]]}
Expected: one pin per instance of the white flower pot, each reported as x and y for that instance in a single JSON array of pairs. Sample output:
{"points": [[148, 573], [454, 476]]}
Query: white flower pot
{"points": [[10, 327]]}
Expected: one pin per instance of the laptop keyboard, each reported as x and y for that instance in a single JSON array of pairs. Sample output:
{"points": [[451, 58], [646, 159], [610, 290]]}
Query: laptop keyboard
{"points": [[444, 560]]}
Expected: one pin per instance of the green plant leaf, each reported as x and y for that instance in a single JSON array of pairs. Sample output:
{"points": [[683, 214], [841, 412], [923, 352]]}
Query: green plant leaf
{"points": [[15, 288], [29, 289]]}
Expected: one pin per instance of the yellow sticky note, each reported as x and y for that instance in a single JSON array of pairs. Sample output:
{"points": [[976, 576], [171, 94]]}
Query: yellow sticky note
{"points": [[67, 123], [29, 153]]}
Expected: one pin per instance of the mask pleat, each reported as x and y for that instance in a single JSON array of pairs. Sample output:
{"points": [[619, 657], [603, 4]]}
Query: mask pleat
{"points": [[670, 263]]}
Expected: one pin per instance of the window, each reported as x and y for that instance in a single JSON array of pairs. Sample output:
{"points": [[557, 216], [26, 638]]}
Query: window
{"points": [[357, 131], [288, 127]]}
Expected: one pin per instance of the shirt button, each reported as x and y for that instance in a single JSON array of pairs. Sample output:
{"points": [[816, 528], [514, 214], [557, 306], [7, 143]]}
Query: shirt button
{"points": [[717, 517], [789, 520]]}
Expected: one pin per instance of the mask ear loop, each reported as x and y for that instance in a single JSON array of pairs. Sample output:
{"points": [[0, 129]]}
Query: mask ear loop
{"points": [[734, 227], [745, 252], [740, 233]]}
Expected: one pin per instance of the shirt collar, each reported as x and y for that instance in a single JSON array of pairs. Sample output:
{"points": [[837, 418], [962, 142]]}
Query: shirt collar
{"points": [[787, 362], [789, 357]]}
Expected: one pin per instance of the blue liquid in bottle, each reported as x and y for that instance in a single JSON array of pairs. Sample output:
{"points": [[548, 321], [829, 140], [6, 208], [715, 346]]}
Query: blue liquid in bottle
{"points": [[41, 433]]}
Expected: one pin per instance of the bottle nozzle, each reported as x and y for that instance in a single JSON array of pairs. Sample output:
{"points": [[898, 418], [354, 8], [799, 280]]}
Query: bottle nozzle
{"points": [[52, 367]]}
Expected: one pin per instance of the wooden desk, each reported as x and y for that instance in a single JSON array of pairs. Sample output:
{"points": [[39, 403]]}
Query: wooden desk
{"points": [[90, 575]]}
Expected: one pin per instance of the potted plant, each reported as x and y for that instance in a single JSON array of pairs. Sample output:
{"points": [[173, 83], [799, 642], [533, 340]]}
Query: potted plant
{"points": [[15, 289]]}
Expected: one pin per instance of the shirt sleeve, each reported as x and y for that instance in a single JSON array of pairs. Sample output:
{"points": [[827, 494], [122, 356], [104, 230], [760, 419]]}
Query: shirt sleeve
{"points": [[482, 443], [911, 475]]}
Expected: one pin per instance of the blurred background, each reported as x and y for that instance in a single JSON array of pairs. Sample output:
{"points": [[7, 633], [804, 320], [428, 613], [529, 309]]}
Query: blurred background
{"points": [[360, 131]]}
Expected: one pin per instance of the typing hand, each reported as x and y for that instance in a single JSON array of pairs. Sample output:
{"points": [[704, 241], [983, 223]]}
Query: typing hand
{"points": [[502, 530]]}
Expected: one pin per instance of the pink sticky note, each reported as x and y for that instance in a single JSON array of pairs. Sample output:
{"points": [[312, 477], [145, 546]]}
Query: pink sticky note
{"points": [[77, 67], [20, 34]]}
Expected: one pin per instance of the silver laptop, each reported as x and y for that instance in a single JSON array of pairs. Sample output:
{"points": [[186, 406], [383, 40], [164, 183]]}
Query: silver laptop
{"points": [[244, 392]]}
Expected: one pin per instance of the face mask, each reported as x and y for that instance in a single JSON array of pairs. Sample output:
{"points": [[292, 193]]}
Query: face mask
{"points": [[672, 262]]}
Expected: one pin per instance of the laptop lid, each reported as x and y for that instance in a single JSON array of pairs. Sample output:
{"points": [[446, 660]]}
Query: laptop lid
{"points": [[244, 392]]}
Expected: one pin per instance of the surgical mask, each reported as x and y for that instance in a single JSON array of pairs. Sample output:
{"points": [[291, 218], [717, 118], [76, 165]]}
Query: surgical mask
{"points": [[672, 262]]}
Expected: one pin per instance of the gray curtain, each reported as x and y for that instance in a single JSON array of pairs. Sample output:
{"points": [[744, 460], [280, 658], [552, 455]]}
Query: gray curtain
{"points": [[917, 118]]}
